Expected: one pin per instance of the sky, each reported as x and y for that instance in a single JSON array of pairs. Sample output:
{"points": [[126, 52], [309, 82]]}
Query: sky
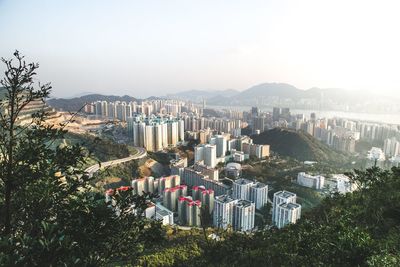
{"points": [[149, 47]]}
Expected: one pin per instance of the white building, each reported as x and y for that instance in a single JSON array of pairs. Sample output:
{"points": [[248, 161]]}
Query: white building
{"points": [[164, 215], [223, 211], [287, 213], [206, 153], [311, 181], [241, 189], [279, 198], [376, 157], [342, 184], [391, 147], [254, 192], [243, 215], [155, 133], [259, 194]]}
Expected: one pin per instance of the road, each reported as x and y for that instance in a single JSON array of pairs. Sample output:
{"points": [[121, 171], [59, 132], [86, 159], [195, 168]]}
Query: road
{"points": [[141, 153]]}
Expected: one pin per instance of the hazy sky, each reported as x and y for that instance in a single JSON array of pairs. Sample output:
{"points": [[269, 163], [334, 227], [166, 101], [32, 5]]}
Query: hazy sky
{"points": [[153, 47]]}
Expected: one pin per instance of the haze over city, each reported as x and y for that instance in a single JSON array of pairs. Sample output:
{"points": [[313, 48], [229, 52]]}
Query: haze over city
{"points": [[144, 48]]}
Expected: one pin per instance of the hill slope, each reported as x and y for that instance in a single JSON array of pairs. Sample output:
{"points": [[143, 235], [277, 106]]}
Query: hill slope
{"points": [[76, 103], [297, 145]]}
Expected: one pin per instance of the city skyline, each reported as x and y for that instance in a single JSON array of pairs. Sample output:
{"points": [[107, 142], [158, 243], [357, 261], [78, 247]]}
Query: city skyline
{"points": [[156, 48]]}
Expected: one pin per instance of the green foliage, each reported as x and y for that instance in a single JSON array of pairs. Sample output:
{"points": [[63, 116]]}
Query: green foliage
{"points": [[49, 215], [101, 149], [297, 144]]}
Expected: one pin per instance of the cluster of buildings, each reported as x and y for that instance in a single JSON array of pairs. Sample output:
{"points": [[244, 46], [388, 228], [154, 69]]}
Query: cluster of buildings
{"points": [[238, 209], [155, 133], [236, 213], [340, 134], [122, 110], [335, 183], [222, 148], [174, 198], [195, 123]]}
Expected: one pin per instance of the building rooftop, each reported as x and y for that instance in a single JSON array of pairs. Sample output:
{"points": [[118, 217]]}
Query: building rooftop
{"points": [[285, 194], [259, 185], [290, 206], [242, 181], [233, 165], [224, 199], [244, 203]]}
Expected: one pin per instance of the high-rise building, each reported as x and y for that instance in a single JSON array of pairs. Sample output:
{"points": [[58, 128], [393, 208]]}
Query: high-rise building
{"points": [[391, 147], [259, 194], [189, 211], [243, 215], [287, 213], [171, 195], [155, 133], [254, 192], [279, 198], [223, 211], [206, 197], [241, 189], [276, 113], [220, 142], [239, 214], [206, 153]]}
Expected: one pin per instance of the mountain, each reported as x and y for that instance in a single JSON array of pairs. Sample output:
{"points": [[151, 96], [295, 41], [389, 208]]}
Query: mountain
{"points": [[199, 95], [76, 103], [271, 89], [286, 95], [297, 144]]}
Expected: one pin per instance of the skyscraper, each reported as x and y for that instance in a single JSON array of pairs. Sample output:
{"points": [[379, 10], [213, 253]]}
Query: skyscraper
{"points": [[223, 211], [243, 216]]}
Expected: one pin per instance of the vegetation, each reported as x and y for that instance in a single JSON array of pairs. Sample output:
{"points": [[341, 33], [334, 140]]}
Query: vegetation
{"points": [[298, 145], [101, 149], [49, 215]]}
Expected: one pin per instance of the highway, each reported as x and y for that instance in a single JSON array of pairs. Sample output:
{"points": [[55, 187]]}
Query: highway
{"points": [[141, 153]]}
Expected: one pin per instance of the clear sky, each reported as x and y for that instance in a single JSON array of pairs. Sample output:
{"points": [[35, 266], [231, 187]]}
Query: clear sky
{"points": [[150, 47]]}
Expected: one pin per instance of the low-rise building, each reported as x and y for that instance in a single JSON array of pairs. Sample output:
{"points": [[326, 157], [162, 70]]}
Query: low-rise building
{"points": [[311, 181]]}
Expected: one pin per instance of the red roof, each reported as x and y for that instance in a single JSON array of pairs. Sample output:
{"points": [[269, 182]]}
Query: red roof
{"points": [[124, 188]]}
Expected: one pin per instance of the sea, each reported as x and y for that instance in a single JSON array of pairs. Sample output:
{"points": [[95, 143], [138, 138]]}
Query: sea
{"points": [[368, 117]]}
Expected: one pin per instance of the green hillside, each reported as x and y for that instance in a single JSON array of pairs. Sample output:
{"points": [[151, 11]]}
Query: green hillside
{"points": [[298, 145]]}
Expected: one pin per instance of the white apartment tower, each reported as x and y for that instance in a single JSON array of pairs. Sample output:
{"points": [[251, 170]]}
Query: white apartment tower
{"points": [[251, 191], [287, 213], [279, 198], [243, 215], [223, 211], [206, 153], [259, 194], [241, 189]]}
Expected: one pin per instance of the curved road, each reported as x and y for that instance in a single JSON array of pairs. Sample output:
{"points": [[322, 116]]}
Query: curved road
{"points": [[141, 153]]}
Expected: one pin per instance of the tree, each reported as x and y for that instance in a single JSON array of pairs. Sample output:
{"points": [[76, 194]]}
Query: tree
{"points": [[51, 216]]}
